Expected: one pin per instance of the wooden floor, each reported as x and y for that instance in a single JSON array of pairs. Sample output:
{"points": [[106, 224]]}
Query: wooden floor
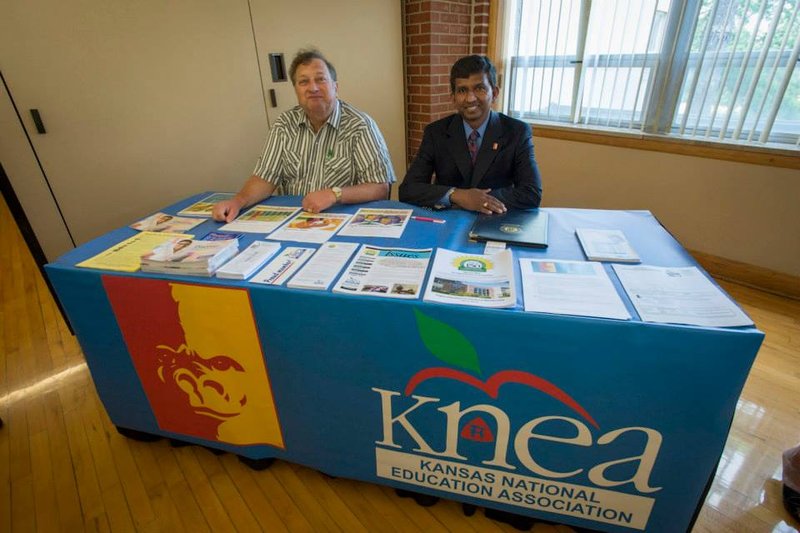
{"points": [[63, 467]]}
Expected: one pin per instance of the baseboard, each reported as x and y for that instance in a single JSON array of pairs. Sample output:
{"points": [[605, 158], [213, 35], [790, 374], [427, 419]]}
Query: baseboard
{"points": [[750, 275]]}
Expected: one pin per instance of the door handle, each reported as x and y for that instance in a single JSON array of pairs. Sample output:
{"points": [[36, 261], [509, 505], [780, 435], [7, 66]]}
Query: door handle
{"points": [[272, 98], [37, 120]]}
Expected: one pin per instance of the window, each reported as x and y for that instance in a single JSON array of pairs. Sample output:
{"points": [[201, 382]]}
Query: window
{"points": [[716, 70]]}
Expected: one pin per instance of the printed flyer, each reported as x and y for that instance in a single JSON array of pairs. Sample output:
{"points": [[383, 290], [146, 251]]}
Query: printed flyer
{"points": [[368, 222], [386, 272], [164, 222], [204, 207], [261, 219], [472, 279], [311, 227], [579, 288]]}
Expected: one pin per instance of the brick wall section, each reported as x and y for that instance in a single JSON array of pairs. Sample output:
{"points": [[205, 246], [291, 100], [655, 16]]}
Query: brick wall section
{"points": [[437, 34]]}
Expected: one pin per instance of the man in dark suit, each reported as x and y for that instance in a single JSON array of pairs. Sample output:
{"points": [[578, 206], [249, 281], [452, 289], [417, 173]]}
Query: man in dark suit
{"points": [[482, 160]]}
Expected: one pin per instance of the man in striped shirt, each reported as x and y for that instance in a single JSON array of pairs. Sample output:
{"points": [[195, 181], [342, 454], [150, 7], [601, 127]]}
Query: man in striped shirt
{"points": [[323, 149]]}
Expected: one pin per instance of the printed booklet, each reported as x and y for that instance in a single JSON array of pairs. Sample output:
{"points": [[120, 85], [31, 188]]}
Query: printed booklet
{"points": [[324, 266], [606, 245], [203, 208], [370, 222], [261, 219], [310, 227], [282, 267], [472, 279], [249, 260], [164, 222], [386, 272], [220, 236]]}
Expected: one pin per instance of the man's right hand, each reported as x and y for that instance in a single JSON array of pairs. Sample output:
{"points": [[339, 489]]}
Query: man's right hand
{"points": [[226, 210], [477, 200]]}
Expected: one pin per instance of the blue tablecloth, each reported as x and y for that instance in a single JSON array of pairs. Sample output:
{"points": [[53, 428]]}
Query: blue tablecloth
{"points": [[606, 424]]}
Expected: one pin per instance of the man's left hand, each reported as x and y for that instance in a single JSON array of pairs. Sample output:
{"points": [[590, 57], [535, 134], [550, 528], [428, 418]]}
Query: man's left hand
{"points": [[318, 201]]}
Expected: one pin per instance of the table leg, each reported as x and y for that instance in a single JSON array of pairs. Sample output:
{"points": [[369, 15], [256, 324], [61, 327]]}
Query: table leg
{"points": [[423, 500], [256, 464], [137, 435]]}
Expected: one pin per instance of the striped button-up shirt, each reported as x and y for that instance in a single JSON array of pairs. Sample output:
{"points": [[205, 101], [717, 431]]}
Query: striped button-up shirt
{"points": [[348, 150]]}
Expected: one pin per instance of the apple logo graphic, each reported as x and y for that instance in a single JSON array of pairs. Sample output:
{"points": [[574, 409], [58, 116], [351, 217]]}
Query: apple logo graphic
{"points": [[450, 346]]}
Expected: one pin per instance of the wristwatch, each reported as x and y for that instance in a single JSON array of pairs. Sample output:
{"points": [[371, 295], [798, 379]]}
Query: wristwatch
{"points": [[337, 192]]}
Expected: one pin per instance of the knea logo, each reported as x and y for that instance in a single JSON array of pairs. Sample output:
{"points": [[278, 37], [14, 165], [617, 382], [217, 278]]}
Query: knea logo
{"points": [[513, 474]]}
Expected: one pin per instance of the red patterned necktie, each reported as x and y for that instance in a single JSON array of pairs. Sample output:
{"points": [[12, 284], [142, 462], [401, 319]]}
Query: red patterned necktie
{"points": [[472, 145]]}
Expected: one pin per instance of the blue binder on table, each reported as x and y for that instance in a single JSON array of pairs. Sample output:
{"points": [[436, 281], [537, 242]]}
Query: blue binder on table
{"points": [[524, 228]]}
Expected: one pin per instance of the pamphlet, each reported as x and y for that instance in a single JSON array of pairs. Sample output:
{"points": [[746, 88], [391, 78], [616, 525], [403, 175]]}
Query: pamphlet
{"points": [[261, 219], [570, 288], [324, 266], [282, 267], [472, 279], [684, 295], [606, 245], [370, 222], [386, 272], [219, 236], [164, 222], [204, 207], [249, 260], [126, 256], [310, 227]]}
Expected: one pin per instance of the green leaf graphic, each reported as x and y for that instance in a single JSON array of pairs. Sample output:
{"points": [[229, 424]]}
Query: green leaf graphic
{"points": [[447, 343]]}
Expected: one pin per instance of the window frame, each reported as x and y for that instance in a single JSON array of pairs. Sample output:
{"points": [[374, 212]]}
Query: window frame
{"points": [[660, 116]]}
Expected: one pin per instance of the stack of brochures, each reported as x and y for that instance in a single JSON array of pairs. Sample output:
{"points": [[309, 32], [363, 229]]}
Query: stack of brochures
{"points": [[188, 256], [251, 259]]}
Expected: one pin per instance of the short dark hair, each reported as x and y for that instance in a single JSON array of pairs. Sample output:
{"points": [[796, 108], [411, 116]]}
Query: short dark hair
{"points": [[469, 65], [304, 57]]}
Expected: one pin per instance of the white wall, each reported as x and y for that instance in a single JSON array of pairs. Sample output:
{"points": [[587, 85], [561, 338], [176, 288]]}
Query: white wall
{"points": [[748, 213], [364, 41], [20, 165], [148, 102]]}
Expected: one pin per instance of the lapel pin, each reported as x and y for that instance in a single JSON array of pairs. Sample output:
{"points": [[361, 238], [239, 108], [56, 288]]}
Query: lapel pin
{"points": [[494, 147]]}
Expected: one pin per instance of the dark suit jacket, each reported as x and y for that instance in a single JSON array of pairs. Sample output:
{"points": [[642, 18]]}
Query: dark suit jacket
{"points": [[505, 163]]}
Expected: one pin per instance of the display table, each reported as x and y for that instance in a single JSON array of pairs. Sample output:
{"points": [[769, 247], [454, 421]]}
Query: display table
{"points": [[606, 424]]}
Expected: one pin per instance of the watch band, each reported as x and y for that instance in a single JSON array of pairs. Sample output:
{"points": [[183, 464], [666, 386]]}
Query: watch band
{"points": [[337, 192], [448, 195]]}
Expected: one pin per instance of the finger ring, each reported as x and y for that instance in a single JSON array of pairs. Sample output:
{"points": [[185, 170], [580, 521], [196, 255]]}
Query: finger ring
{"points": [[485, 204]]}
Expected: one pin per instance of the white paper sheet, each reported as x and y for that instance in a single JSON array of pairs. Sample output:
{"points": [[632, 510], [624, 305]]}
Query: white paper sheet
{"points": [[323, 267], [570, 288], [678, 296]]}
